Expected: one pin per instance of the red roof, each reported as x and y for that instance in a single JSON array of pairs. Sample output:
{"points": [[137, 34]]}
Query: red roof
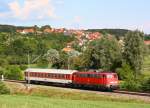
{"points": [[147, 42]]}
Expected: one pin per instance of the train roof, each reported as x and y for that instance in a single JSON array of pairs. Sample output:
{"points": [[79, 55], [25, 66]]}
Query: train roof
{"points": [[96, 72], [56, 71]]}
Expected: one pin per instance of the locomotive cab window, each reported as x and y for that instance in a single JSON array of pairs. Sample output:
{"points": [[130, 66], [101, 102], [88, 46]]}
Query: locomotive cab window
{"points": [[109, 76], [104, 76]]}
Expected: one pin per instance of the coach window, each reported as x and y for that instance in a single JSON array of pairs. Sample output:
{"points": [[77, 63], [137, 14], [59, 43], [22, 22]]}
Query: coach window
{"points": [[35, 74], [57, 76], [46, 75], [32, 74]]}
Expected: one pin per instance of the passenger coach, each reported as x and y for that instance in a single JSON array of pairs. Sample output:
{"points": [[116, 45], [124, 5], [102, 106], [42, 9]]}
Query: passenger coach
{"points": [[49, 75]]}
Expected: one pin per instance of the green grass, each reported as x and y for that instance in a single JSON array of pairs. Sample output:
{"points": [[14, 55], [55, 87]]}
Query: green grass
{"points": [[16, 101], [69, 94]]}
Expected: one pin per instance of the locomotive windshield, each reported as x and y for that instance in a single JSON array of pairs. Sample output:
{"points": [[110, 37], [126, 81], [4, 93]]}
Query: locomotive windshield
{"points": [[109, 76]]}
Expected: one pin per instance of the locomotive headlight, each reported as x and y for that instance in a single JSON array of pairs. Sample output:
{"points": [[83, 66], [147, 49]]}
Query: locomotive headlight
{"points": [[113, 82]]}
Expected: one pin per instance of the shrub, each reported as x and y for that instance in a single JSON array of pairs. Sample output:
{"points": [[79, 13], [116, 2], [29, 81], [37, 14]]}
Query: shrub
{"points": [[23, 67], [3, 89], [146, 85], [2, 70], [125, 72], [14, 73], [131, 85], [42, 63], [129, 82]]}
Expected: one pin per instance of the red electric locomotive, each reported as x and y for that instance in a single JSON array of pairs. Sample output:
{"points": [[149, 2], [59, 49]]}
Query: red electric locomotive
{"points": [[104, 80], [73, 77]]}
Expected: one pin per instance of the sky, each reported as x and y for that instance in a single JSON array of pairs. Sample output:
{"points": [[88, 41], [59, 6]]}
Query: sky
{"points": [[78, 14]]}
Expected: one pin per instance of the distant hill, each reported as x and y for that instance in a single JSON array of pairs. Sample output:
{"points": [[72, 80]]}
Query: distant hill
{"points": [[7, 28], [11, 28], [116, 32]]}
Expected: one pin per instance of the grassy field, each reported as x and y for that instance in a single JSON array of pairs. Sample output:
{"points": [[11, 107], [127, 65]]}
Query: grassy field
{"points": [[71, 94], [17, 101]]}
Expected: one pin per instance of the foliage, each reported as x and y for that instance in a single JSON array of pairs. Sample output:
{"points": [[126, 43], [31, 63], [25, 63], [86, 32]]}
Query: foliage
{"points": [[44, 27], [42, 63], [129, 82], [3, 62], [146, 85], [53, 56], [147, 37], [23, 67], [133, 50], [125, 72], [14, 73], [7, 28], [2, 71], [3, 89], [131, 85], [102, 54]]}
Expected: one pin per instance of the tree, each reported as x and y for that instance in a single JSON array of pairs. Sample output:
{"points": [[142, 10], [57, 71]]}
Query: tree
{"points": [[14, 73], [71, 58], [45, 26], [102, 54], [133, 50], [52, 56]]}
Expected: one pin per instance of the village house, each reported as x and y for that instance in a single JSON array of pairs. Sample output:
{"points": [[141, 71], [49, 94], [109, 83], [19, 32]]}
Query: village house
{"points": [[67, 49], [48, 30], [93, 36], [26, 30], [147, 42]]}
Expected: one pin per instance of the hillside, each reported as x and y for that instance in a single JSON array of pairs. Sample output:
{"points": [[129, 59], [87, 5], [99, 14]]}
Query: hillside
{"points": [[116, 32], [7, 28]]}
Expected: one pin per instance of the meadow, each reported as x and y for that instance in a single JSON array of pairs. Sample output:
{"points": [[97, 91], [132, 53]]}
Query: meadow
{"points": [[17, 101]]}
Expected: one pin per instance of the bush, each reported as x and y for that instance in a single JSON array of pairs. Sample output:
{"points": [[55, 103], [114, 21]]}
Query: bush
{"points": [[131, 85], [3, 89], [146, 85], [125, 72], [23, 67], [2, 71], [42, 63], [14, 73], [129, 82]]}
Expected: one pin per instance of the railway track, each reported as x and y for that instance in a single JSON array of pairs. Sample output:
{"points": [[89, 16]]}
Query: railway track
{"points": [[18, 81], [132, 93], [115, 91]]}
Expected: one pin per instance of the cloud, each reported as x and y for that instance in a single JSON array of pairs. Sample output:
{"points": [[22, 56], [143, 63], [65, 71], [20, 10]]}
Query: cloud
{"points": [[30, 9]]}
